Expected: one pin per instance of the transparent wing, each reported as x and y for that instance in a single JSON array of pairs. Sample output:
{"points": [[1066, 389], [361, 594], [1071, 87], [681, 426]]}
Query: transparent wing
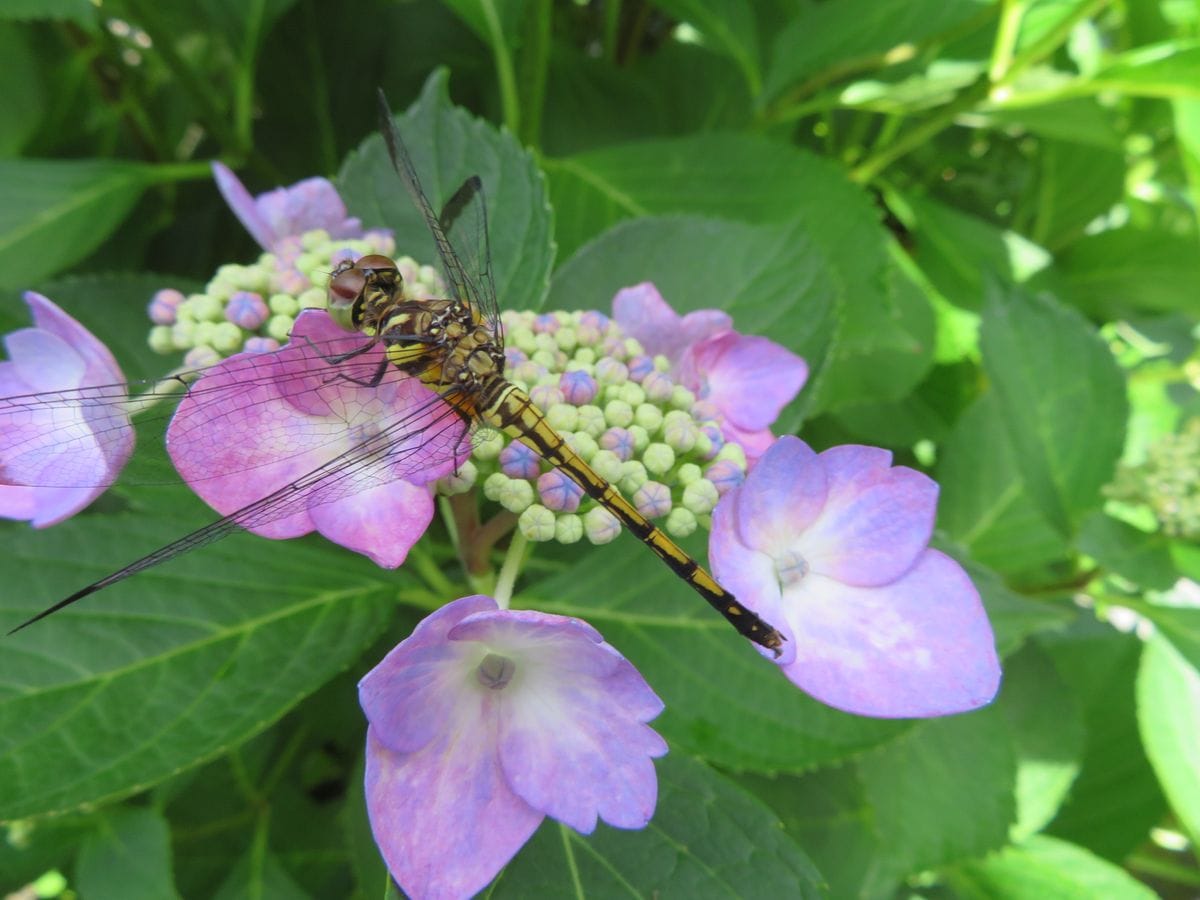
{"points": [[466, 260]]}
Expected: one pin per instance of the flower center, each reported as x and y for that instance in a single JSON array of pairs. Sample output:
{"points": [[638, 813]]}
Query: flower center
{"points": [[790, 567], [496, 671]]}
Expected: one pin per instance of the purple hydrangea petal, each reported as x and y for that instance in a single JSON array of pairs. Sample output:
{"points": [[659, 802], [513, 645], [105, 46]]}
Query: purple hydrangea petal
{"points": [[243, 206], [876, 521], [785, 496], [459, 756], [406, 696], [920, 646], [444, 817], [54, 464], [748, 574], [286, 212], [259, 422], [642, 313], [749, 378], [381, 523]]}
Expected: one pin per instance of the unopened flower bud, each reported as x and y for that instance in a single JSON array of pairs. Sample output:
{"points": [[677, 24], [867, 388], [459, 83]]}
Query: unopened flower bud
{"points": [[516, 495], [611, 371], [164, 306], [607, 465], [536, 523], [256, 344], [701, 496], [283, 305], [680, 523], [247, 310], [658, 458], [519, 461], [658, 386], [619, 441], [618, 413], [687, 473], [563, 417], [591, 420], [633, 476], [201, 357], [568, 528], [600, 525], [459, 481], [578, 387], [279, 327], [161, 340], [652, 499], [682, 398], [558, 492]]}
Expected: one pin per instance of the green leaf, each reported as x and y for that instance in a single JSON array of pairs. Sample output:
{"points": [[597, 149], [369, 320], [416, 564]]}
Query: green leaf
{"points": [[1118, 272], [961, 253], [56, 212], [1077, 183], [1045, 725], [1179, 625], [1142, 557], [708, 838], [1048, 869], [259, 873], [169, 668], [447, 146], [127, 857], [1013, 617], [782, 289], [1062, 399], [23, 108], [728, 26], [982, 504], [915, 787], [1168, 692], [1169, 69], [30, 849], [724, 702], [1187, 136], [1115, 800], [80, 12], [839, 36]]}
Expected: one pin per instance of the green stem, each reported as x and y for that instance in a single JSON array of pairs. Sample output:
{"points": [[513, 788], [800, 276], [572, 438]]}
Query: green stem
{"points": [[1007, 32], [505, 74], [429, 572], [1164, 869], [507, 578]]}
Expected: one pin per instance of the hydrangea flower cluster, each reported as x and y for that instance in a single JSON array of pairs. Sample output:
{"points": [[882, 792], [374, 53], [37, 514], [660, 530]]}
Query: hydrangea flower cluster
{"points": [[1167, 481], [623, 413], [486, 719]]}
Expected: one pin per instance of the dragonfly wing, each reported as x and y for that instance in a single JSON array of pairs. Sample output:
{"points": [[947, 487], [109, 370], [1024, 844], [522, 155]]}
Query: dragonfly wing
{"points": [[471, 284]]}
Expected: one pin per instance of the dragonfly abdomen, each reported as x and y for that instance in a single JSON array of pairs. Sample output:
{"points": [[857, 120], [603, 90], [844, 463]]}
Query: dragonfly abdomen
{"points": [[512, 411]]}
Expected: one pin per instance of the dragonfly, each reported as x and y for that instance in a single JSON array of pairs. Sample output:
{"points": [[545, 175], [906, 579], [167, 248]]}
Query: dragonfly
{"points": [[453, 347]]}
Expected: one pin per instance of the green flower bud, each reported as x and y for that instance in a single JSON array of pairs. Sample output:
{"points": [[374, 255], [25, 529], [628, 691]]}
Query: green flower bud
{"points": [[204, 308], [516, 495], [658, 458], [582, 443], [568, 341], [537, 523], [488, 445], [682, 398], [313, 298], [544, 358], [633, 476], [607, 465], [618, 413], [461, 481], [688, 473], [568, 528], [280, 327], [283, 305], [591, 420], [226, 337], [701, 496], [162, 339], [649, 417], [734, 453], [632, 393], [563, 417], [680, 522], [585, 356], [641, 437], [600, 525], [525, 340], [494, 485]]}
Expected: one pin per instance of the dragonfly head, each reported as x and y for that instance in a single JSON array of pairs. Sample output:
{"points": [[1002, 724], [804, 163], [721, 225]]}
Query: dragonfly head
{"points": [[354, 285]]}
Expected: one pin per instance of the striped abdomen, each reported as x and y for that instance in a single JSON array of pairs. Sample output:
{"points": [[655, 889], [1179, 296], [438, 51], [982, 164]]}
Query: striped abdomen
{"points": [[509, 409]]}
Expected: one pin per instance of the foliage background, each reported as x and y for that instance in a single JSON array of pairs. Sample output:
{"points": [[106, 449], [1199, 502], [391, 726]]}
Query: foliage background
{"points": [[977, 221]]}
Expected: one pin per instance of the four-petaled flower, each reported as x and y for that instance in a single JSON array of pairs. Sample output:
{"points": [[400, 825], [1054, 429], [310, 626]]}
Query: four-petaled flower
{"points": [[747, 379], [356, 461], [485, 721], [64, 431], [286, 212], [831, 549]]}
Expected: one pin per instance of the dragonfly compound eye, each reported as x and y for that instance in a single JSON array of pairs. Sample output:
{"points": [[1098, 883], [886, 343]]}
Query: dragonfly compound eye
{"points": [[345, 285], [374, 264]]}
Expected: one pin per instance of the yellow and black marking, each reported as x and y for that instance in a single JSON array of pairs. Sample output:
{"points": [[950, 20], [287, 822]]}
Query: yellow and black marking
{"points": [[512, 411]]}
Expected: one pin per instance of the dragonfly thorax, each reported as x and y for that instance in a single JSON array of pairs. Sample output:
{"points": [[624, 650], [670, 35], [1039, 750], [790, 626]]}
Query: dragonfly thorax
{"points": [[443, 342]]}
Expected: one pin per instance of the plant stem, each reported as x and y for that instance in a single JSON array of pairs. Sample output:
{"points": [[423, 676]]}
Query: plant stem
{"points": [[509, 571]]}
